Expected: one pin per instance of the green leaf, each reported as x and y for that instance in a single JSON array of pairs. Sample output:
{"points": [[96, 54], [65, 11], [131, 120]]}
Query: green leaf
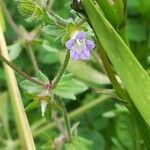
{"points": [[134, 77], [30, 87], [33, 105], [98, 142], [42, 77], [69, 87], [53, 30], [15, 50], [49, 48], [80, 68], [48, 57], [34, 12], [78, 143], [124, 130], [109, 12]]}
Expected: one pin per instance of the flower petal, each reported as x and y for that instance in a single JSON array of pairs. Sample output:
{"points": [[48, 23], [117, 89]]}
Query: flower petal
{"points": [[74, 55], [85, 54], [69, 44], [90, 44], [81, 35]]}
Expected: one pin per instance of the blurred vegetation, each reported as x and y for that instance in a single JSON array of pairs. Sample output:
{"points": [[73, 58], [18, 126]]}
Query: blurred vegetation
{"points": [[108, 124]]}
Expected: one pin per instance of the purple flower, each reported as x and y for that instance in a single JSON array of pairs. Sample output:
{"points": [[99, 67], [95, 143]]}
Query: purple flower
{"points": [[80, 46]]}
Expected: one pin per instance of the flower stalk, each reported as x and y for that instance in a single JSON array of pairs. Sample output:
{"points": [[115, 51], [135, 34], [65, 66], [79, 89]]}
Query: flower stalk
{"points": [[61, 71]]}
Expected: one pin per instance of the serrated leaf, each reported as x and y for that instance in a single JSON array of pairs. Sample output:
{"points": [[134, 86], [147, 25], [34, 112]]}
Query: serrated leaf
{"points": [[69, 87], [34, 12], [33, 105], [53, 30]]}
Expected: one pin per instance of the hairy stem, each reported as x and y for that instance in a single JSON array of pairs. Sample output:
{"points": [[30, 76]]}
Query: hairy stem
{"points": [[32, 58], [58, 122], [19, 71], [62, 70], [67, 121]]}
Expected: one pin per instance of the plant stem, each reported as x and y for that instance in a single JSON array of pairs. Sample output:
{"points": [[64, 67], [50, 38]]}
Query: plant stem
{"points": [[18, 70], [72, 115], [57, 122], [10, 20], [110, 72], [67, 121], [39, 128], [32, 58], [80, 23], [62, 70], [17, 105]]}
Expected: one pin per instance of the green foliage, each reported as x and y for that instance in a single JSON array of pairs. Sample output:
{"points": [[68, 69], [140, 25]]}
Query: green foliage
{"points": [[69, 87], [114, 11], [98, 142], [54, 30], [15, 49], [137, 31], [32, 88], [33, 105], [106, 124], [42, 77], [78, 143], [34, 12], [128, 68]]}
